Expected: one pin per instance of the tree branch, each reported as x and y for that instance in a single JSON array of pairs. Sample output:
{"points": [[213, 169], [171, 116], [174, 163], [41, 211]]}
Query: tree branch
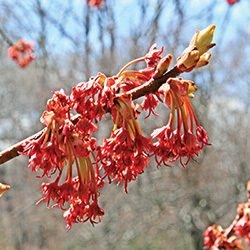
{"points": [[149, 87], [5, 37]]}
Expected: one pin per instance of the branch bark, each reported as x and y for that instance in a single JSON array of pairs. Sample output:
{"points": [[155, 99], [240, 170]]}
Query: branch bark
{"points": [[149, 87]]}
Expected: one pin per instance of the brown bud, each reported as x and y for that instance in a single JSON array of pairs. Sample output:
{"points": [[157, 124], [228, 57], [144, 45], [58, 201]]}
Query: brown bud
{"points": [[188, 60], [162, 66], [191, 89]]}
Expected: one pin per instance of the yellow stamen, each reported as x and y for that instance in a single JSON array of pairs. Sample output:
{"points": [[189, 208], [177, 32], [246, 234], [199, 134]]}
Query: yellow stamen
{"points": [[172, 109], [117, 117]]}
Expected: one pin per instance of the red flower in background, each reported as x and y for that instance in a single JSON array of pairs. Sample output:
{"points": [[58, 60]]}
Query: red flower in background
{"points": [[242, 227], [215, 237], [232, 2], [211, 234], [22, 52], [95, 3]]}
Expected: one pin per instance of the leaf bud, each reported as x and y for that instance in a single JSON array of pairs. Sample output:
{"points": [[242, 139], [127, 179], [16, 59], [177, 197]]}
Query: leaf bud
{"points": [[163, 66], [202, 39]]}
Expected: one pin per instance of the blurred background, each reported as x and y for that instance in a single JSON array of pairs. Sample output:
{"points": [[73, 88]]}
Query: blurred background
{"points": [[166, 208]]}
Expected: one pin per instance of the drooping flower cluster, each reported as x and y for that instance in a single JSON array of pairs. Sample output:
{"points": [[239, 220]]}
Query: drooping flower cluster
{"points": [[186, 138], [125, 153], [62, 145], [215, 237], [22, 52], [67, 148]]}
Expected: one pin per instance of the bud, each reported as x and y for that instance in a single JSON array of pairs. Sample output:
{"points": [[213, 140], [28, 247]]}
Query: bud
{"points": [[162, 66], [195, 56], [248, 189], [202, 39], [3, 188], [204, 60], [188, 60], [191, 89]]}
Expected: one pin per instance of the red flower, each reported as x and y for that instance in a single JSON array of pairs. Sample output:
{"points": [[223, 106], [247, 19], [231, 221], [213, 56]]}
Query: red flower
{"points": [[59, 104], [50, 191], [242, 227], [211, 234], [22, 53], [85, 126], [182, 141], [81, 212], [125, 154], [90, 98], [149, 103], [62, 144], [153, 56]]}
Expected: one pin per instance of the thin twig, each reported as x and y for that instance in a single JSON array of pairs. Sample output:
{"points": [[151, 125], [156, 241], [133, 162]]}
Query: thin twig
{"points": [[14, 150]]}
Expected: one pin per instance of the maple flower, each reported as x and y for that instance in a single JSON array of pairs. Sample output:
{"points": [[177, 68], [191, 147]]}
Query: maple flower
{"points": [[62, 146], [211, 234], [242, 227], [22, 52], [153, 56], [215, 238], [125, 154], [81, 189], [149, 103], [187, 137], [90, 98]]}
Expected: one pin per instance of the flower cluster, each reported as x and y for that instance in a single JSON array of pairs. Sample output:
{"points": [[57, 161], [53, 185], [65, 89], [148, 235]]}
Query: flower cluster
{"points": [[22, 52], [182, 136], [125, 153], [63, 145], [67, 147], [215, 237]]}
